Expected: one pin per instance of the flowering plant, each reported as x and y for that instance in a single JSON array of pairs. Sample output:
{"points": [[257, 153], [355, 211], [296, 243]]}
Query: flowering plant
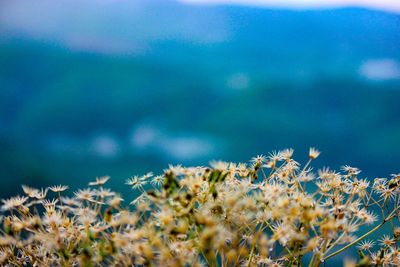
{"points": [[269, 212]]}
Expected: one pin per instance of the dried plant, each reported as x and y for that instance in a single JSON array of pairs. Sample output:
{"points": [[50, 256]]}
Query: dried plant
{"points": [[270, 212]]}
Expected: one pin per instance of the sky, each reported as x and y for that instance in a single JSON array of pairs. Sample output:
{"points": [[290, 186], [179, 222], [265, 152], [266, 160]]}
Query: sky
{"points": [[388, 5]]}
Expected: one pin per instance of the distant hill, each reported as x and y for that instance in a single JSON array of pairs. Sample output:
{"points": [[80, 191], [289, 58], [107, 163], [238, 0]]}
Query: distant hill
{"points": [[119, 89]]}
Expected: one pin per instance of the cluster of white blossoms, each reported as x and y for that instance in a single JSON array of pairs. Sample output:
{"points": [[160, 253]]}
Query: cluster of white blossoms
{"points": [[269, 212]]}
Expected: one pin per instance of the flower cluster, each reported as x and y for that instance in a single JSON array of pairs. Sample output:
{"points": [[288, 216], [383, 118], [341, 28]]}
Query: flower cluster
{"points": [[269, 212]]}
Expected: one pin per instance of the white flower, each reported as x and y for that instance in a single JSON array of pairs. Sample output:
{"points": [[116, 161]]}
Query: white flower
{"points": [[313, 153], [58, 188]]}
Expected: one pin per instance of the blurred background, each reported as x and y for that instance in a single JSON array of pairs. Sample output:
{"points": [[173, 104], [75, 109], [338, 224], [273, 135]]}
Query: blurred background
{"points": [[102, 87]]}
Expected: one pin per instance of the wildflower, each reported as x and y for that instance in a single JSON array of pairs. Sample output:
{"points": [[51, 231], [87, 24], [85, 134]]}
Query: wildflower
{"points": [[104, 192], [313, 243], [386, 241], [135, 182], [306, 176], [291, 166], [351, 170], [270, 164], [275, 156], [366, 245], [100, 181], [259, 159], [375, 258], [325, 173], [146, 176], [348, 238], [396, 232], [219, 165], [47, 203], [84, 194], [115, 201], [395, 175], [313, 153], [58, 188], [86, 216], [206, 213], [164, 217], [70, 201], [9, 204], [177, 169], [53, 219], [388, 193], [287, 153], [242, 170], [157, 180], [31, 192], [367, 216], [139, 199], [41, 194]]}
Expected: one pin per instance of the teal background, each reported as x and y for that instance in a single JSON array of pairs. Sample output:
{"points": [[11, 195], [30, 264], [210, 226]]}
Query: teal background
{"points": [[121, 88]]}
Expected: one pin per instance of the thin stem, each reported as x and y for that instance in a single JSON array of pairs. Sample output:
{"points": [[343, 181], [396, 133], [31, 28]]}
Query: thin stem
{"points": [[251, 254], [253, 247], [356, 241]]}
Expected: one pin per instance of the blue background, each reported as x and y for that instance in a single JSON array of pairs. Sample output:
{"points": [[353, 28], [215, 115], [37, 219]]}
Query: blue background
{"points": [[105, 88]]}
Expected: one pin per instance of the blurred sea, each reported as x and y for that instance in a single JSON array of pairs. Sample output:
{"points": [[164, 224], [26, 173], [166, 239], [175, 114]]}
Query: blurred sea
{"points": [[92, 88]]}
